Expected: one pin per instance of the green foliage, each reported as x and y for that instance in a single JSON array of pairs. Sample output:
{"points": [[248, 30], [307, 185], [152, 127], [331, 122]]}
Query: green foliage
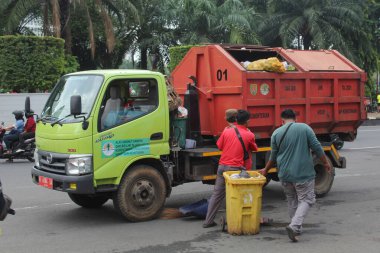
{"points": [[29, 63], [177, 54], [145, 29], [71, 64]]}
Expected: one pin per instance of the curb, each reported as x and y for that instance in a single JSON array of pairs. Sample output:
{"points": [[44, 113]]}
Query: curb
{"points": [[371, 122]]}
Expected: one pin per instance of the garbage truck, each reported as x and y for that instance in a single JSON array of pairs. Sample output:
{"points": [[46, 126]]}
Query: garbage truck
{"points": [[111, 134]]}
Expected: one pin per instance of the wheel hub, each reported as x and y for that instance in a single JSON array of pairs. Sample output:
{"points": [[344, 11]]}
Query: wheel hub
{"points": [[143, 193]]}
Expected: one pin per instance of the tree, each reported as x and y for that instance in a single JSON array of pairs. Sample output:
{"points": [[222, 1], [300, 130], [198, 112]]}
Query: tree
{"points": [[56, 16], [312, 24], [153, 32], [219, 21], [235, 22], [367, 41]]}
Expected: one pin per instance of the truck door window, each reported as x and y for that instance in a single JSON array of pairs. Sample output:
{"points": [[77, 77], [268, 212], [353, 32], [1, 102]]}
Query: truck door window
{"points": [[126, 100]]}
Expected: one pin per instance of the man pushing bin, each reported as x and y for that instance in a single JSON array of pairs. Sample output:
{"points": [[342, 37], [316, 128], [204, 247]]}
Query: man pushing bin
{"points": [[291, 145]]}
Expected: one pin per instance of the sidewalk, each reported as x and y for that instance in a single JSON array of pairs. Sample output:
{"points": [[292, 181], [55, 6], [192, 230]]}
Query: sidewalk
{"points": [[373, 115], [373, 119]]}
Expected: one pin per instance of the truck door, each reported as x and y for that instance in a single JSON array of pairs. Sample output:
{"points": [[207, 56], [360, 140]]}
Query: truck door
{"points": [[131, 121]]}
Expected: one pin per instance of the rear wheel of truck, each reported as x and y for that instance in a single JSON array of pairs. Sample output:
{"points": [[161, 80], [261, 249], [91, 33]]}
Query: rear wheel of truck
{"points": [[87, 200], [323, 179], [141, 194]]}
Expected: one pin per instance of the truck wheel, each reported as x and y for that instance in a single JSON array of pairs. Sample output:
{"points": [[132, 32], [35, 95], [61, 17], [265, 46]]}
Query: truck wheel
{"points": [[323, 179], [88, 201], [141, 194]]}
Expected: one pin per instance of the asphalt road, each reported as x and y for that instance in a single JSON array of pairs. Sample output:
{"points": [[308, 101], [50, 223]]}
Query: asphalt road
{"points": [[347, 220]]}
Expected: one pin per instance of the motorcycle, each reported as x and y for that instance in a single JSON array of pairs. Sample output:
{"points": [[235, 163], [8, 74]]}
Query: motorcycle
{"points": [[27, 153]]}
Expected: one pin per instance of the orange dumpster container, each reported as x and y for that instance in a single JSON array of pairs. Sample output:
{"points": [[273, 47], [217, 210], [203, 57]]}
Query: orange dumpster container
{"points": [[243, 203], [323, 87]]}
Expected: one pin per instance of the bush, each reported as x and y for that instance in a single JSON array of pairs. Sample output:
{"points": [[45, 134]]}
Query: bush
{"points": [[30, 63], [71, 64], [177, 54]]}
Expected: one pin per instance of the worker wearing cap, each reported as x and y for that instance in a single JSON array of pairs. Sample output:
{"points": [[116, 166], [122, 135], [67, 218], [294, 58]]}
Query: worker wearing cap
{"points": [[29, 131], [232, 158]]}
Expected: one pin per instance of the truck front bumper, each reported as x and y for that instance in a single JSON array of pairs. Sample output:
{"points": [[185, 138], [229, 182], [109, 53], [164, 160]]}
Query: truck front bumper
{"points": [[72, 184]]}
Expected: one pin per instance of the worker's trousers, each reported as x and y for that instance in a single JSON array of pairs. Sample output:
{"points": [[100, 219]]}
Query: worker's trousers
{"points": [[300, 197], [218, 194]]}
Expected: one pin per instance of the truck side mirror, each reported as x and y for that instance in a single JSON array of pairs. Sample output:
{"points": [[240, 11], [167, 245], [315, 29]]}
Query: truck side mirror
{"points": [[27, 105], [75, 105]]}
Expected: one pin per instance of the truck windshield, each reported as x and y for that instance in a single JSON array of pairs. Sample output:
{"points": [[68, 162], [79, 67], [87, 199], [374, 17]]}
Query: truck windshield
{"points": [[58, 104]]}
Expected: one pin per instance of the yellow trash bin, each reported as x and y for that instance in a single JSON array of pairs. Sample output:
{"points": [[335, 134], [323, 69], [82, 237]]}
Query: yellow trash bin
{"points": [[243, 202]]}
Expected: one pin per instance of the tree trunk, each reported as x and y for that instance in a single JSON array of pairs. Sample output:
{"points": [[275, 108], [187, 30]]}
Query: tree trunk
{"points": [[307, 42], [65, 25], [144, 57], [45, 24], [298, 42]]}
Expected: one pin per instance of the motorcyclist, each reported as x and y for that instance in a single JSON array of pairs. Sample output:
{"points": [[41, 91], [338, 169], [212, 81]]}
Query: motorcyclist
{"points": [[14, 131], [29, 131]]}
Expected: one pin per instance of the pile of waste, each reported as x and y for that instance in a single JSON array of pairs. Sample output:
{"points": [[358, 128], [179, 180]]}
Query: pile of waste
{"points": [[244, 174], [271, 64], [174, 99]]}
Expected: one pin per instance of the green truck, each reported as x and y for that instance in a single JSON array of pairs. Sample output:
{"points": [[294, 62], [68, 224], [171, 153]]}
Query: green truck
{"points": [[109, 134]]}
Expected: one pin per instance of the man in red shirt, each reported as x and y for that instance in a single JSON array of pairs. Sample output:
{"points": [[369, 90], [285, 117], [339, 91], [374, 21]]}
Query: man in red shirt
{"points": [[232, 158], [29, 131]]}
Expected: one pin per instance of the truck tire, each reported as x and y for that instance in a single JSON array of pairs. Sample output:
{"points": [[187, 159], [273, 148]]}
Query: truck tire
{"points": [[141, 194], [323, 179], [87, 200]]}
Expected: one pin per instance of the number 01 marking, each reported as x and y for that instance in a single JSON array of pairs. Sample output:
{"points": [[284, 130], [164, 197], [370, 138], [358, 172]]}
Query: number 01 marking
{"points": [[220, 74]]}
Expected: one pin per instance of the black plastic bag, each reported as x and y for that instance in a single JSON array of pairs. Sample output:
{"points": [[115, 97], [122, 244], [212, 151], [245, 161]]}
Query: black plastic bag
{"points": [[5, 205]]}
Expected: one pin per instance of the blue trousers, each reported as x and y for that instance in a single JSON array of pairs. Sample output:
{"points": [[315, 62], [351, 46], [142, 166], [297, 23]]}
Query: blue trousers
{"points": [[9, 139]]}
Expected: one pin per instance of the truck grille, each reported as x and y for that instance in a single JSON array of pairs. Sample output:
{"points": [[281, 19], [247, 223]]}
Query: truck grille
{"points": [[53, 162]]}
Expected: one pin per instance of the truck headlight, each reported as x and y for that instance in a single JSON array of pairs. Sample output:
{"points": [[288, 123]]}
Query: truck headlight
{"points": [[79, 165], [36, 158]]}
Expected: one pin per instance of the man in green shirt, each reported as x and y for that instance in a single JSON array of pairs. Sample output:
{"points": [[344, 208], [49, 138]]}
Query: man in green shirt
{"points": [[291, 145]]}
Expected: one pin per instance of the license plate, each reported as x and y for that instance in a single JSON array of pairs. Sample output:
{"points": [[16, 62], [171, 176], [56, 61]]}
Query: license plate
{"points": [[45, 182]]}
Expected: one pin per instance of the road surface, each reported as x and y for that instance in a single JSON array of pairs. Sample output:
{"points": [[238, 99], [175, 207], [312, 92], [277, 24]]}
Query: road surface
{"points": [[346, 220]]}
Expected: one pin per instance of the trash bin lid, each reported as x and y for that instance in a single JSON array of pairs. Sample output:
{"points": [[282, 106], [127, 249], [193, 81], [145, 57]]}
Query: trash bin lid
{"points": [[323, 60]]}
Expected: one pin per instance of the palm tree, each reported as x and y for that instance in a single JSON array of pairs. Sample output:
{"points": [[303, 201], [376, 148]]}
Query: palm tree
{"points": [[153, 32], [235, 22], [218, 21], [56, 16], [312, 23]]}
